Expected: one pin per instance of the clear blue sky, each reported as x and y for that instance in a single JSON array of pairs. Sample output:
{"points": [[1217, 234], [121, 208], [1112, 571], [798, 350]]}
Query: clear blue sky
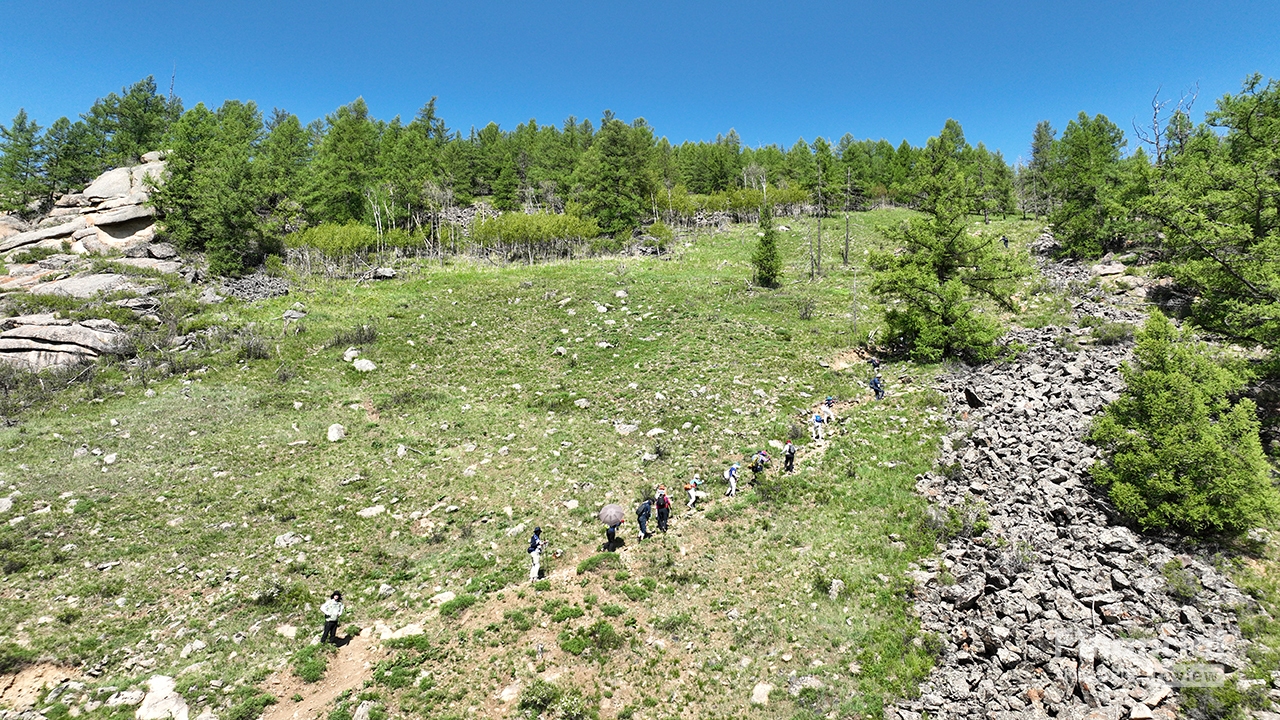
{"points": [[774, 71]]}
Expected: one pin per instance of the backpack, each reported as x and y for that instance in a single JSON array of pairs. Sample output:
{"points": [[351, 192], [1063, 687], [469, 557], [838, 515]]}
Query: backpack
{"points": [[664, 502]]}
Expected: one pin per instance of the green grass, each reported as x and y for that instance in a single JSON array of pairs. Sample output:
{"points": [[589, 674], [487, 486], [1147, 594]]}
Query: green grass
{"points": [[211, 468], [599, 561], [310, 662]]}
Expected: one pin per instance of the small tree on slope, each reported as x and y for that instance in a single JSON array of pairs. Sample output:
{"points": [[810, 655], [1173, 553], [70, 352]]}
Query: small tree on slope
{"points": [[1179, 454], [766, 260]]}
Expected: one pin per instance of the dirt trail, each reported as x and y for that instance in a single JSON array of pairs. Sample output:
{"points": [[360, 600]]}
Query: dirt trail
{"points": [[347, 670]]}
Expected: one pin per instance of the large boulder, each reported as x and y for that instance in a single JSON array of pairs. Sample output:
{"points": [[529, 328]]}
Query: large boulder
{"points": [[121, 215], [10, 225], [30, 238], [84, 286], [110, 184], [149, 173], [36, 342]]}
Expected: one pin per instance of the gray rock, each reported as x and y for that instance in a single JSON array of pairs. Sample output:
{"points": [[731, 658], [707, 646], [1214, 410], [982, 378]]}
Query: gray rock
{"points": [[34, 236], [162, 251], [84, 286], [112, 183], [121, 215]]}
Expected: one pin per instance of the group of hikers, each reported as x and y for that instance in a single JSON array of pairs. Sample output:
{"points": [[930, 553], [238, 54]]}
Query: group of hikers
{"points": [[333, 608]]}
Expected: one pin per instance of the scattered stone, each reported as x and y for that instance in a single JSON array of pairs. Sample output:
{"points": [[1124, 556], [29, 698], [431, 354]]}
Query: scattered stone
{"points": [[125, 697], [374, 511], [760, 694], [571, 504], [364, 365], [582, 403], [625, 429], [288, 539], [383, 273], [162, 701], [336, 432], [443, 597], [289, 631]]}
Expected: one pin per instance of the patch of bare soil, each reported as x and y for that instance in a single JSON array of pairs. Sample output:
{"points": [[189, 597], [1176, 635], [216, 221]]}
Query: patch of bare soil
{"points": [[348, 670], [23, 690]]}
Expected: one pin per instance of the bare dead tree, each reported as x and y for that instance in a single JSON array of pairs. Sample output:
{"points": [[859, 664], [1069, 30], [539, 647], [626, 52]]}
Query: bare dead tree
{"points": [[1165, 130]]}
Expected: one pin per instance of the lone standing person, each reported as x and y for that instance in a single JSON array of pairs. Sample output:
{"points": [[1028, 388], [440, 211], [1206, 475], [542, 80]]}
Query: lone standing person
{"points": [[818, 422], [536, 544], [642, 517], [789, 457], [664, 508], [878, 386], [332, 610], [732, 476]]}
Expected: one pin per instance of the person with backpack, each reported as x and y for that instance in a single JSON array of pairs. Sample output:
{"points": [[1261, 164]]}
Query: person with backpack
{"points": [[878, 387], [732, 476], [759, 462], [663, 504], [642, 517], [536, 544], [332, 610], [611, 534], [818, 422], [789, 457], [692, 488]]}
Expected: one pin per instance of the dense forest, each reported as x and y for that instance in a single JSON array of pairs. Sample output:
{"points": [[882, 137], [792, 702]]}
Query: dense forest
{"points": [[237, 175], [1203, 199]]}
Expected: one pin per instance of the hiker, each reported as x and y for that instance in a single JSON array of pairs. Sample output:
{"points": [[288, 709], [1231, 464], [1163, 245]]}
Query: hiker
{"points": [[332, 611], [663, 504], [830, 402], [1005, 239], [642, 517], [818, 422], [759, 462], [878, 386], [692, 487], [611, 533], [732, 476], [536, 544], [789, 457], [875, 363]]}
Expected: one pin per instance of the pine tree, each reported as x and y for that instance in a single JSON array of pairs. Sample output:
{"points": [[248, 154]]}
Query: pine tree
{"points": [[767, 261], [21, 180], [69, 163], [126, 126], [933, 281], [617, 185], [344, 165]]}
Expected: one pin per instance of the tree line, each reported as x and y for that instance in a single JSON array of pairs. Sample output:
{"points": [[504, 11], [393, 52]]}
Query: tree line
{"points": [[241, 180], [1201, 199]]}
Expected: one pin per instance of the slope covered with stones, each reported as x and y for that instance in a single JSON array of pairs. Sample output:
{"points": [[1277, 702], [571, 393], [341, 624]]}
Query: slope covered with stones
{"points": [[1057, 610]]}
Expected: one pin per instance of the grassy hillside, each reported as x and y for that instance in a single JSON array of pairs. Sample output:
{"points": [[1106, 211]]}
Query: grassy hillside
{"points": [[210, 507]]}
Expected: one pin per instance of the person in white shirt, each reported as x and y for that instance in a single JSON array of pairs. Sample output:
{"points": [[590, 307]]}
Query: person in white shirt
{"points": [[332, 610]]}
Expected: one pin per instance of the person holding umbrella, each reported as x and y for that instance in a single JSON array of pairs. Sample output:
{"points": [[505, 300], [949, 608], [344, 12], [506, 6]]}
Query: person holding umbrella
{"points": [[612, 516]]}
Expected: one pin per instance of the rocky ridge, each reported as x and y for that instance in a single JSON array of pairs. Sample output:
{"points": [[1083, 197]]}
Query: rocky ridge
{"points": [[1056, 610]]}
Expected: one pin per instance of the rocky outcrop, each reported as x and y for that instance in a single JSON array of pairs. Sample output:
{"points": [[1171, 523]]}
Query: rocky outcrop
{"points": [[110, 214], [1056, 610], [36, 342]]}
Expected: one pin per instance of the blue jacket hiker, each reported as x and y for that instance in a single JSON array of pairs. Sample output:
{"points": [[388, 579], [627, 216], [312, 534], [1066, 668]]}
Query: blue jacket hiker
{"points": [[642, 517]]}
